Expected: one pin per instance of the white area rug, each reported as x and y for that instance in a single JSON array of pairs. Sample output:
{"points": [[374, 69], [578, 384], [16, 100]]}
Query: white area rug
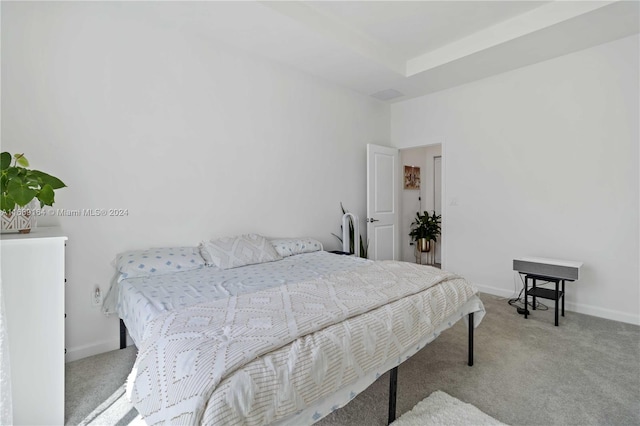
{"points": [[440, 408]]}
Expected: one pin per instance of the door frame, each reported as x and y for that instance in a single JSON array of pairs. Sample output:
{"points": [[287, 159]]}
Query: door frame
{"points": [[445, 202], [438, 244]]}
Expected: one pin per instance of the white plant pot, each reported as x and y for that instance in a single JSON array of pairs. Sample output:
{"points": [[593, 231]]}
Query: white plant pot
{"points": [[19, 220]]}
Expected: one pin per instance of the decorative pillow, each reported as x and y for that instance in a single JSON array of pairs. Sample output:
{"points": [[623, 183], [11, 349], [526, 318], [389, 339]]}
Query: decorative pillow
{"points": [[290, 246], [158, 261], [232, 252]]}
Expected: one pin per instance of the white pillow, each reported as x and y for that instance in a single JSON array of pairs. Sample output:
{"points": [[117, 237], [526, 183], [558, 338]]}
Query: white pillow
{"points": [[290, 246], [158, 261], [232, 252]]}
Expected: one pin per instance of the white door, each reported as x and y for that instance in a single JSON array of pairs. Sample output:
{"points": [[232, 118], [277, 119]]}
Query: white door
{"points": [[383, 174], [437, 200]]}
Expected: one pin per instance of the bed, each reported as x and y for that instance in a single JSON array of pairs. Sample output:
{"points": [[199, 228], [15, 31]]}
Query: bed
{"points": [[284, 340]]}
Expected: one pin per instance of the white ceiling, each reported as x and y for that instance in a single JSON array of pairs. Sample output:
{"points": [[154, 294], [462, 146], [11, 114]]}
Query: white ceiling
{"points": [[413, 47], [412, 28]]}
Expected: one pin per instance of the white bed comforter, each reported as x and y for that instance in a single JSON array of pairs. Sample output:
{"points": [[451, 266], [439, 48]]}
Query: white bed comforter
{"points": [[259, 357]]}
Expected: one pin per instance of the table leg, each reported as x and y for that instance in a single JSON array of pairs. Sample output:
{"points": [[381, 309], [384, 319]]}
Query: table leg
{"points": [[526, 296], [534, 295], [557, 284], [563, 297]]}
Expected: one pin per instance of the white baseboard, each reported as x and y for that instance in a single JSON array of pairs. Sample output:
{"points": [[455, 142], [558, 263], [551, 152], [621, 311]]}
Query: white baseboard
{"points": [[80, 352], [573, 307], [496, 291], [603, 313]]}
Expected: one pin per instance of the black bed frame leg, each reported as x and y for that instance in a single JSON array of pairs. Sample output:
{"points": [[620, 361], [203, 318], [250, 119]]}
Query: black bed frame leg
{"points": [[393, 380], [470, 363], [393, 390], [123, 335]]}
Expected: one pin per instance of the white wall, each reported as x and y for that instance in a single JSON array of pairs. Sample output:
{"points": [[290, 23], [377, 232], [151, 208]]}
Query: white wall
{"points": [[195, 139], [420, 157], [542, 161]]}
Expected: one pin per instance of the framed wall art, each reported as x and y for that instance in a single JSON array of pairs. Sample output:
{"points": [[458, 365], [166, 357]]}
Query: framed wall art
{"points": [[411, 177]]}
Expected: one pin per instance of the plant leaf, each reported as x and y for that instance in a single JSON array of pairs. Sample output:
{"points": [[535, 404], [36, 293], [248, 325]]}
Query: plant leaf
{"points": [[20, 191], [46, 195], [21, 160], [47, 179], [364, 249], [6, 203], [5, 160], [11, 172]]}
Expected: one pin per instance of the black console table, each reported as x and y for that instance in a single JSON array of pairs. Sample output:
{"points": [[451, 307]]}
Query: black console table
{"points": [[545, 293]]}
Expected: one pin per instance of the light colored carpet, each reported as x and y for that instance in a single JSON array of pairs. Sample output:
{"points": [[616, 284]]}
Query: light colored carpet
{"points": [[114, 410], [441, 409], [526, 372]]}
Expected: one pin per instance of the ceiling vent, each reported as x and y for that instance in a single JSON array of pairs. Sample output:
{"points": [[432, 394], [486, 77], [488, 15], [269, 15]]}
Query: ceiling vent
{"points": [[388, 94]]}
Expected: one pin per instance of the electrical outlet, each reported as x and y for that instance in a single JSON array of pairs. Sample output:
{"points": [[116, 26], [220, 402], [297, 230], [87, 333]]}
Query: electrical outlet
{"points": [[96, 297]]}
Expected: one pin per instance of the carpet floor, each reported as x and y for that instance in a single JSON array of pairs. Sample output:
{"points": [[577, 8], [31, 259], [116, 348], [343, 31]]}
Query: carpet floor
{"points": [[526, 372]]}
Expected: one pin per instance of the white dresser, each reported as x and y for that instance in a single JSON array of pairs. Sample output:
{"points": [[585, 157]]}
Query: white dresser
{"points": [[33, 281]]}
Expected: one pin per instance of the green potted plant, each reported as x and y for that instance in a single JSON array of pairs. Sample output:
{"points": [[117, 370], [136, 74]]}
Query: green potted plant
{"points": [[425, 228], [19, 186]]}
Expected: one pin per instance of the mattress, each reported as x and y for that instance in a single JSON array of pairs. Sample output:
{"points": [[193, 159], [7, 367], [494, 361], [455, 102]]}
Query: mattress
{"points": [[317, 349], [142, 299]]}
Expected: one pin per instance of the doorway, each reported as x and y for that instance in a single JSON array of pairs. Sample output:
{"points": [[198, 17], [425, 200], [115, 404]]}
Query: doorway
{"points": [[427, 197]]}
